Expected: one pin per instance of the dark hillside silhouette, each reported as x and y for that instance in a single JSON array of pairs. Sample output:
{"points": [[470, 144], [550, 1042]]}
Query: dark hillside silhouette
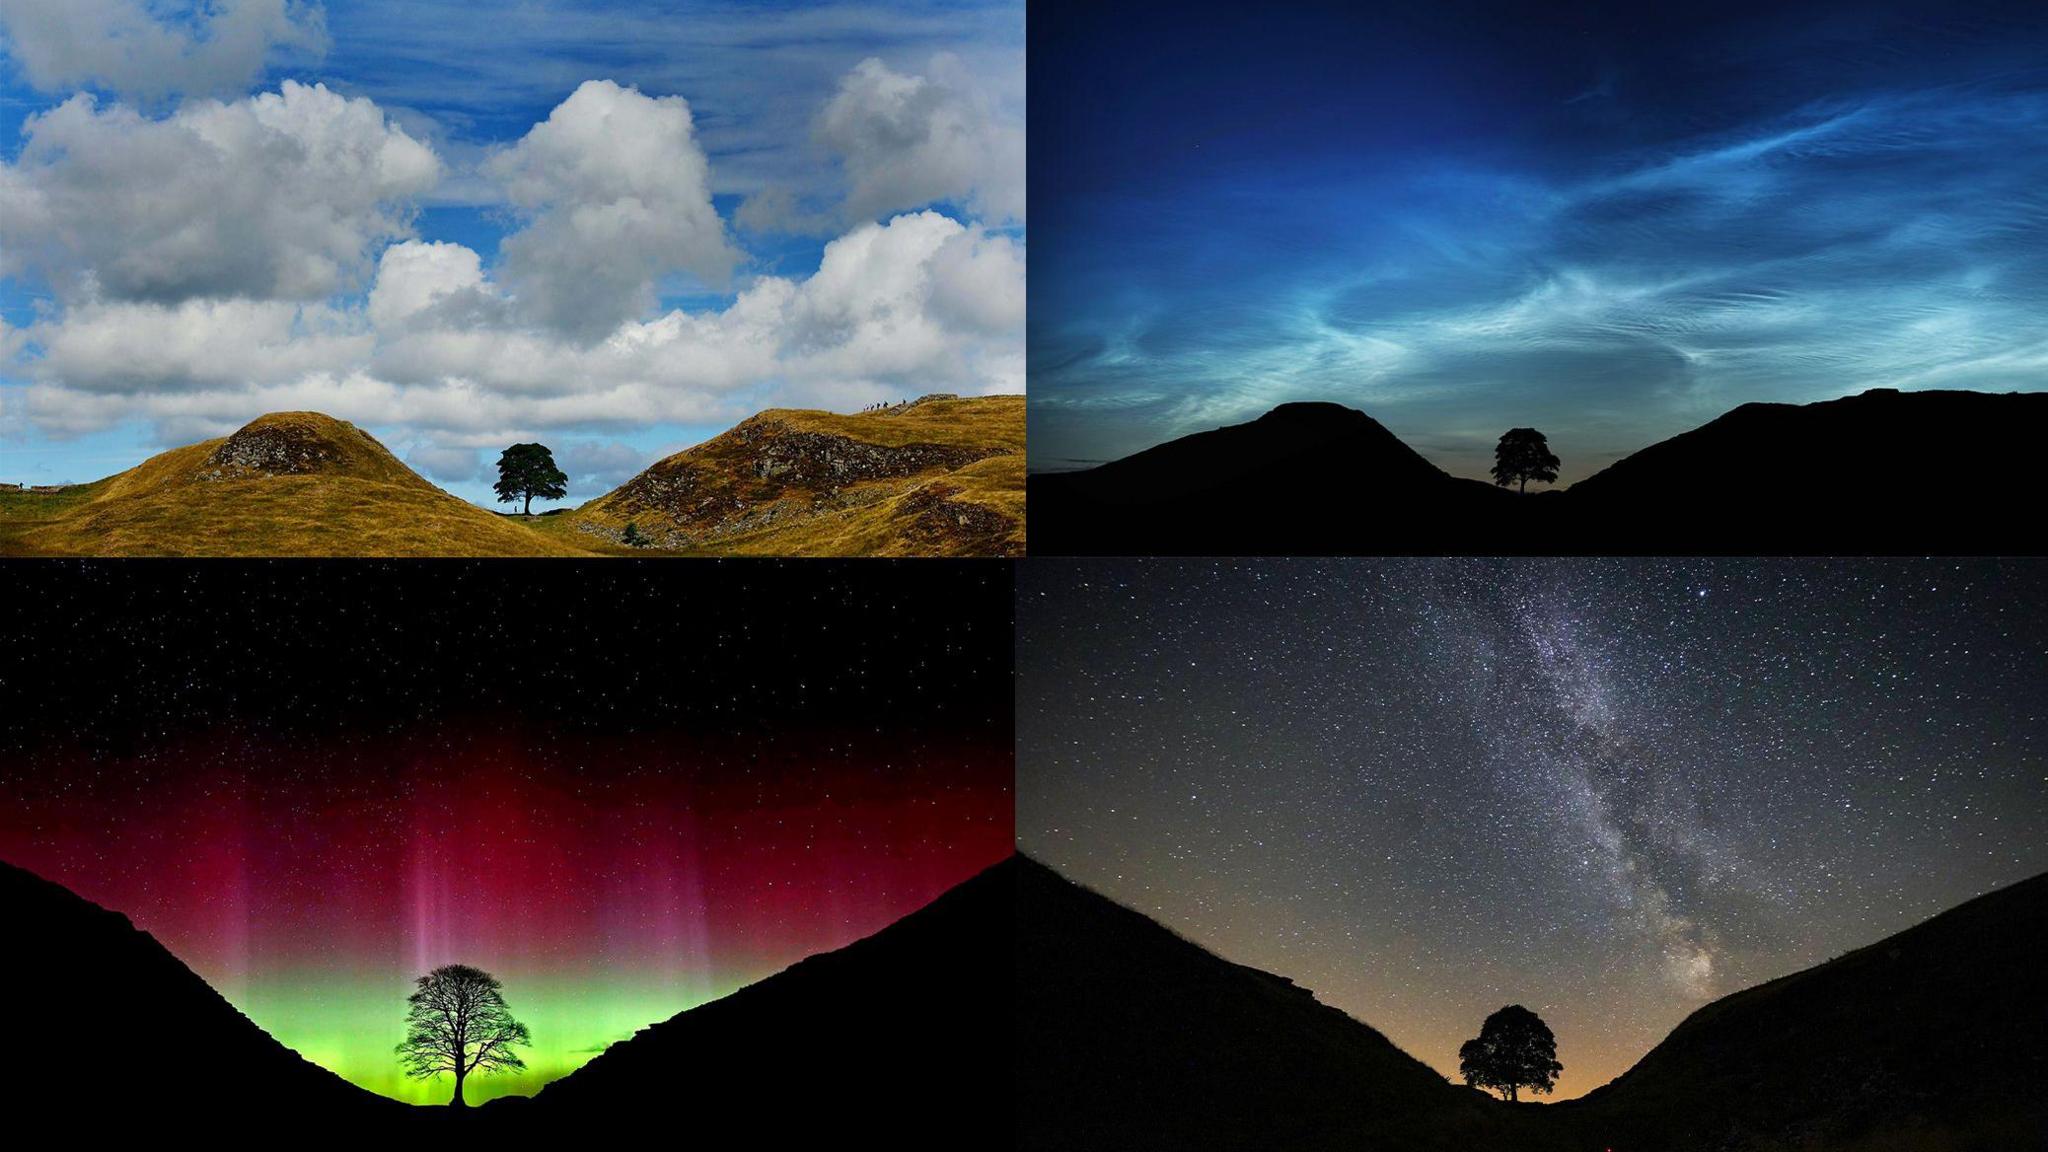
{"points": [[108, 1033], [1307, 478], [1131, 1037], [1884, 472], [1927, 1039], [1020, 1000], [902, 1037]]}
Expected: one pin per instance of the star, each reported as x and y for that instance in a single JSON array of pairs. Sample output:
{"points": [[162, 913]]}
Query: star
{"points": [[1425, 789]]}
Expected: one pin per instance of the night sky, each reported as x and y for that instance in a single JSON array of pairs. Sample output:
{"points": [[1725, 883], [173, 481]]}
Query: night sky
{"points": [[1612, 221], [1608, 790], [623, 789]]}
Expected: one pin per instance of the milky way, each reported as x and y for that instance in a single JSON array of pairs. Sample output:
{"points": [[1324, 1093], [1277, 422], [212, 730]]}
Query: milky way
{"points": [[1610, 791]]}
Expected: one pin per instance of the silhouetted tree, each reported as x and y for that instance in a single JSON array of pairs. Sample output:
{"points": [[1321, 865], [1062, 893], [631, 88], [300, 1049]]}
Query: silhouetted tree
{"points": [[1514, 1050], [458, 1023], [528, 470], [1521, 456]]}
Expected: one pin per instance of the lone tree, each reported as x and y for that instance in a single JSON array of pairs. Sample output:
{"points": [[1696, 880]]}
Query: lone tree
{"points": [[1521, 456], [526, 471], [459, 1023], [1514, 1050]]}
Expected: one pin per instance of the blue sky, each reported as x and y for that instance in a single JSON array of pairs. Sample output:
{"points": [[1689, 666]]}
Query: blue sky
{"points": [[615, 227], [1610, 221]]}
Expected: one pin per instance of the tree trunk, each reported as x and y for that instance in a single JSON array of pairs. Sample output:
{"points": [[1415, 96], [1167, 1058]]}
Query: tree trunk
{"points": [[1512, 1098], [529, 505], [1525, 486], [457, 1101]]}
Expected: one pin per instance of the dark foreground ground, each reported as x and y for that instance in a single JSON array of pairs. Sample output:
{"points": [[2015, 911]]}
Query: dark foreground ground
{"points": [[1881, 473], [1130, 1037], [1021, 1010], [903, 1035]]}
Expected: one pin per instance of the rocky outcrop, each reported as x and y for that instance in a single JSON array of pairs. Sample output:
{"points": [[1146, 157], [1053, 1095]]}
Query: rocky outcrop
{"points": [[933, 476], [766, 473], [285, 445], [946, 526], [816, 459]]}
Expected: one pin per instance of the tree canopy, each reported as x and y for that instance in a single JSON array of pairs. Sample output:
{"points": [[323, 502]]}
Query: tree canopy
{"points": [[1521, 456], [458, 1023], [1514, 1050], [526, 471]]}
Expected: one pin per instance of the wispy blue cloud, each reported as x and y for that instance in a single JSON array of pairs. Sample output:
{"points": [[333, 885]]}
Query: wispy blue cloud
{"points": [[755, 73]]}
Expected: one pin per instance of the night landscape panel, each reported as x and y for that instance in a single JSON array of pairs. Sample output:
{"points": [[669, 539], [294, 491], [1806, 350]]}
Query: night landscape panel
{"points": [[1304, 276], [623, 792], [1616, 793]]}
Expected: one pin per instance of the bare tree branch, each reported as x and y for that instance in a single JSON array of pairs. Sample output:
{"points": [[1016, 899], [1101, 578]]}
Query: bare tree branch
{"points": [[457, 1022]]}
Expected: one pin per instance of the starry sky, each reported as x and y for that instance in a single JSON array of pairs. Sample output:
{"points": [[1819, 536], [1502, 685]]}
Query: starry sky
{"points": [[1610, 791], [1612, 221], [622, 789], [614, 226]]}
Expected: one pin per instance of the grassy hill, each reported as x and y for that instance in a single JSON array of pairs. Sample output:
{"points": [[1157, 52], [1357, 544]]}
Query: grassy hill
{"points": [[937, 477], [286, 484], [940, 476]]}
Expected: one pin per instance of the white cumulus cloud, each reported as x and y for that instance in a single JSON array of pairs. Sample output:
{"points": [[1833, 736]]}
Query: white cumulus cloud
{"points": [[922, 303], [283, 195], [233, 257], [148, 52], [908, 140], [618, 191], [416, 279], [193, 345]]}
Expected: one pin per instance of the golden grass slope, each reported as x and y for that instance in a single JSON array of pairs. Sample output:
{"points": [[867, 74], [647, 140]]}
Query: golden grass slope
{"points": [[940, 476], [286, 484]]}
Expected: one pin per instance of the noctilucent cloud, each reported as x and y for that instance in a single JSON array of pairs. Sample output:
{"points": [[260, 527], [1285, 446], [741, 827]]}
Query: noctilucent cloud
{"points": [[614, 226], [1612, 221], [1611, 791]]}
